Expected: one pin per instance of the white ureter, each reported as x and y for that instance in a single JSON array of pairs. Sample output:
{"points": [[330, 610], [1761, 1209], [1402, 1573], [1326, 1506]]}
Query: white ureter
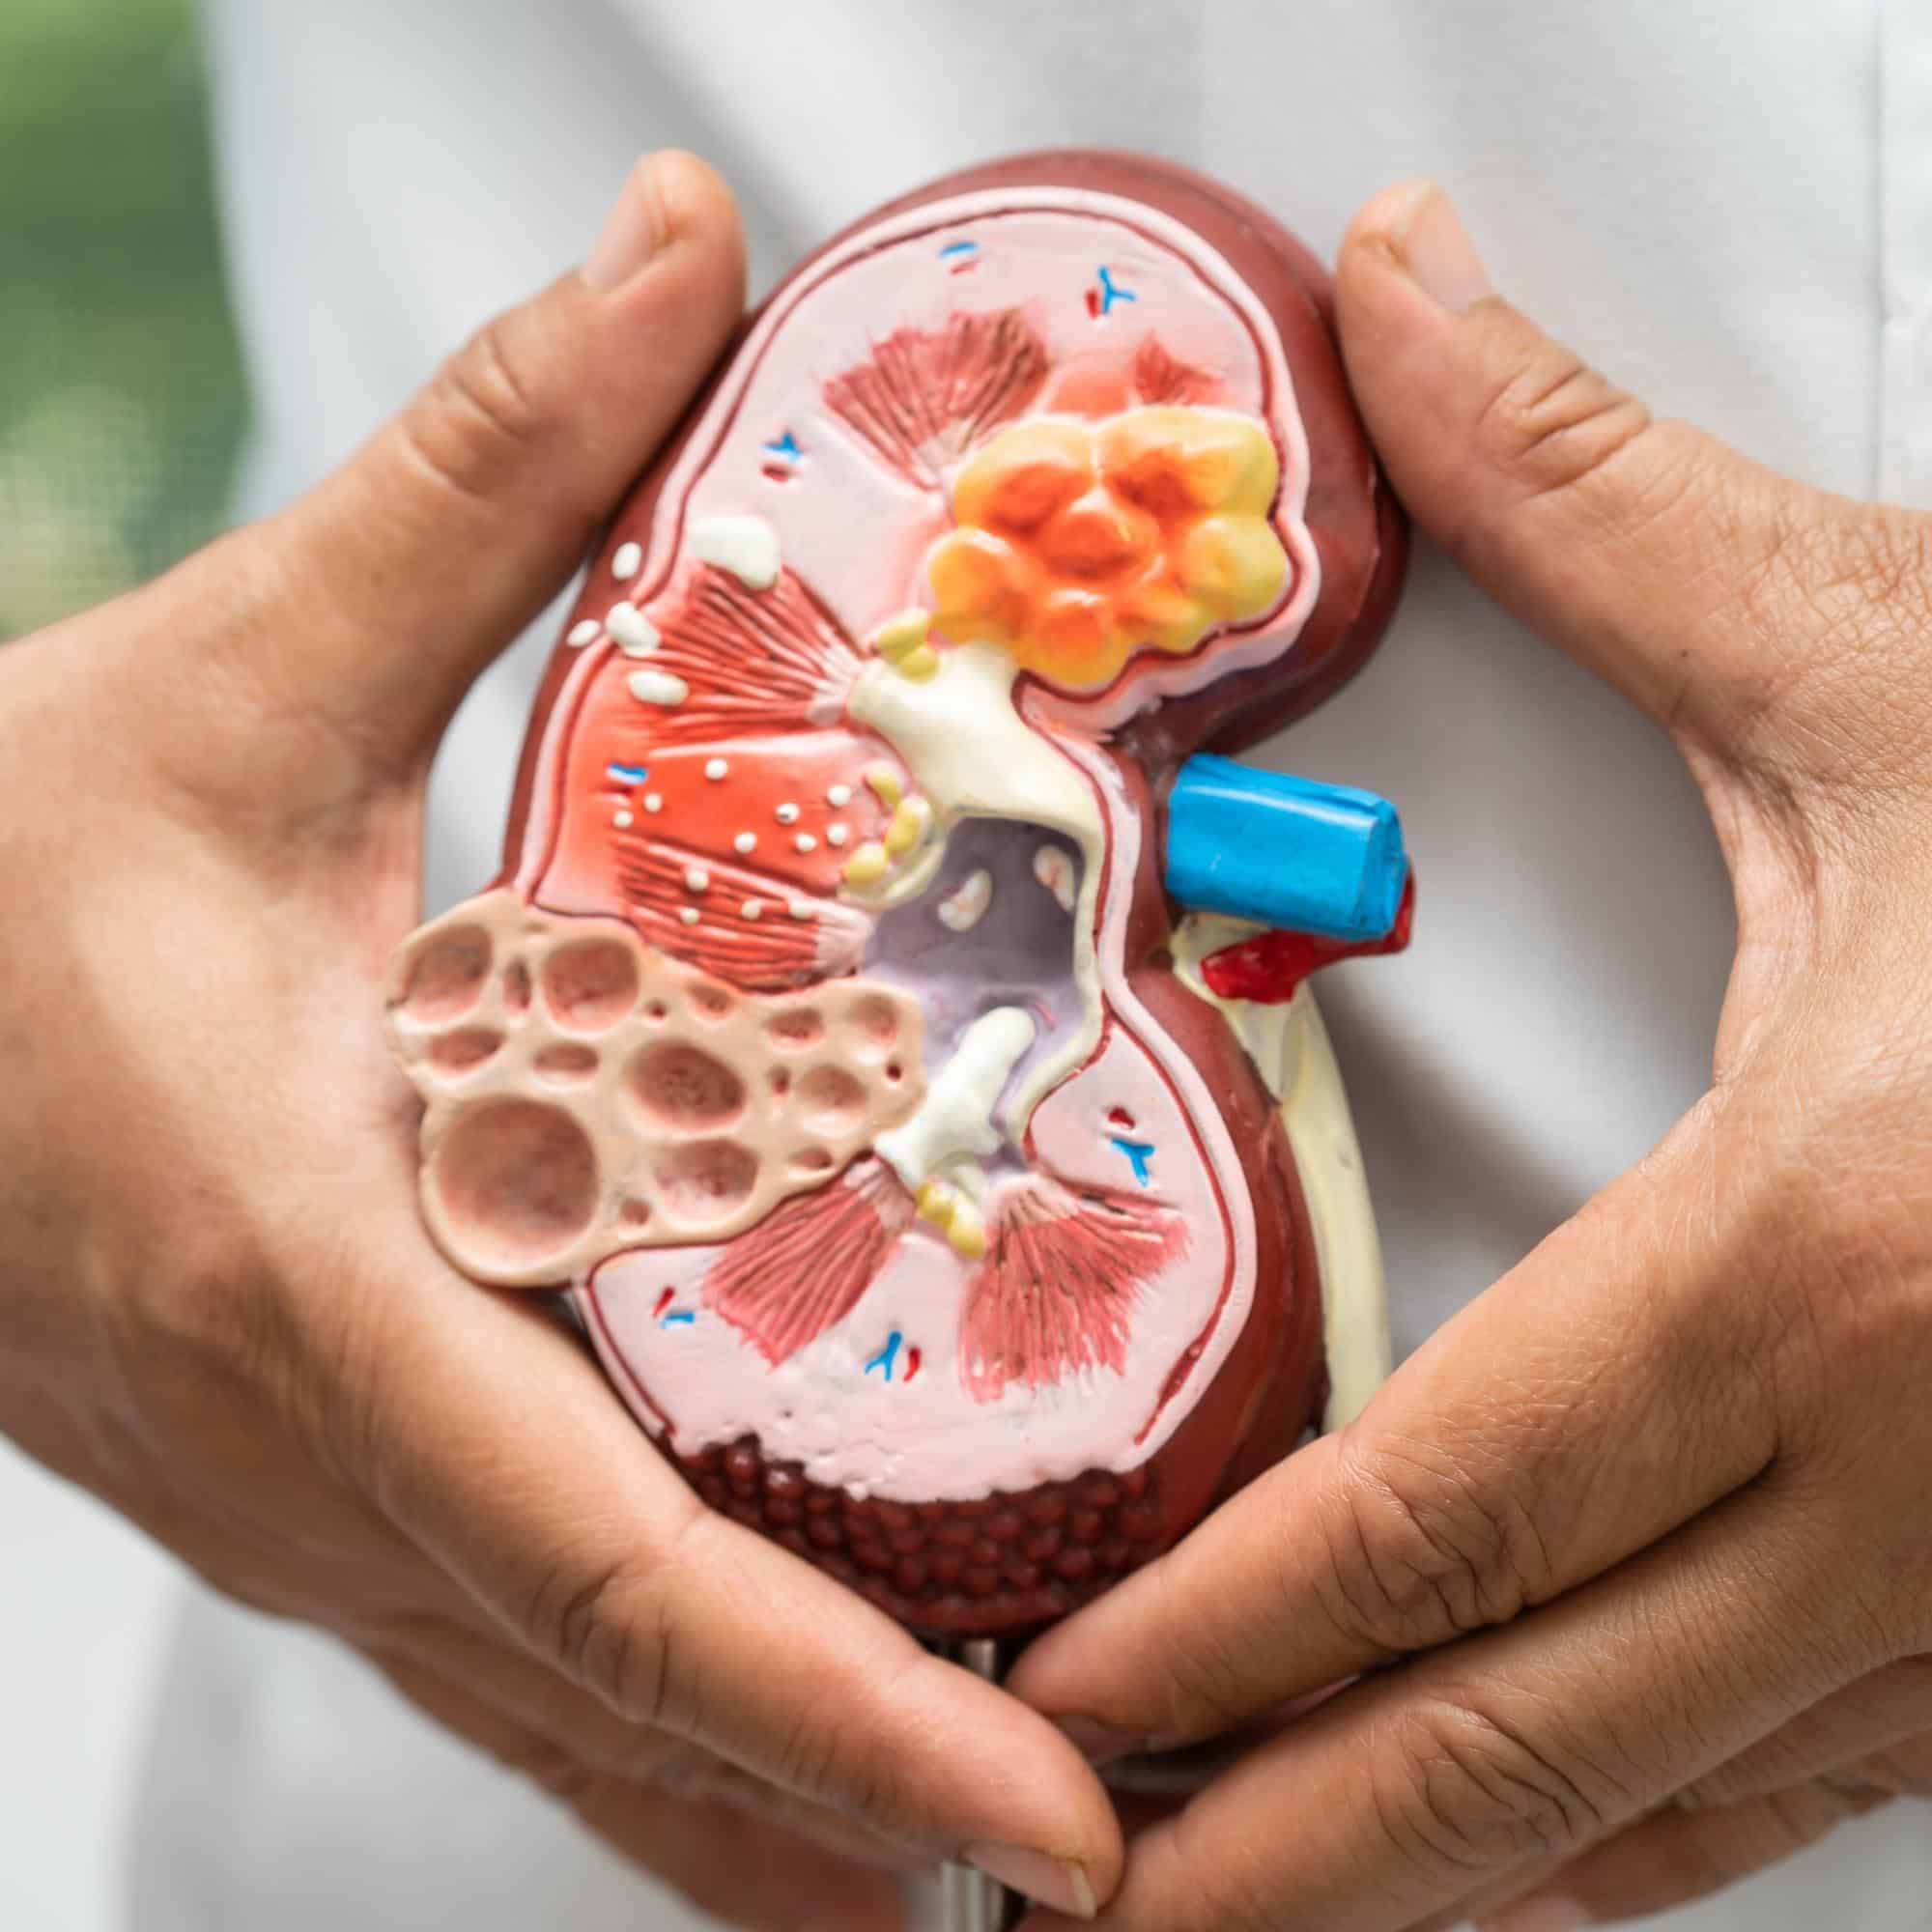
{"points": [[1288, 1044], [954, 1121], [974, 756]]}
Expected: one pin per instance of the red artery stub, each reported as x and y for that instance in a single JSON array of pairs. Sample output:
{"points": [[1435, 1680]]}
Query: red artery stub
{"points": [[1270, 967]]}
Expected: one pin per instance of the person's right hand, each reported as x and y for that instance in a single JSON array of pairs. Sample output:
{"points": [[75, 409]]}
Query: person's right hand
{"points": [[219, 1310]]}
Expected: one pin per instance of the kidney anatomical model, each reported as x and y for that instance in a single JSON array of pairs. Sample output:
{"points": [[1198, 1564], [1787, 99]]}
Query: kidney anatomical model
{"points": [[948, 1201]]}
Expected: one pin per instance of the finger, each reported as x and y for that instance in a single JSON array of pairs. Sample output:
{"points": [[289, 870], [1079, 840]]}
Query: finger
{"points": [[496, 1442], [1141, 1811], [1675, 1857], [407, 570], [1418, 1787], [1144, 1804], [744, 1871], [1650, 552], [1686, 1853], [1598, 1397], [1866, 1722], [1187, 1768]]}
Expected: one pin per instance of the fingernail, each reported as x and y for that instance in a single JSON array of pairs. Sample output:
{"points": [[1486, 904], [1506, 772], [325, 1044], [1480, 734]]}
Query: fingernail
{"points": [[1047, 1881], [631, 231], [1098, 1743], [1544, 1914], [1430, 242]]}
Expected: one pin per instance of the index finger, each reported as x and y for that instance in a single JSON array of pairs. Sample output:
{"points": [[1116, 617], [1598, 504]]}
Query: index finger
{"points": [[493, 1440], [1416, 1788], [1587, 1404]]}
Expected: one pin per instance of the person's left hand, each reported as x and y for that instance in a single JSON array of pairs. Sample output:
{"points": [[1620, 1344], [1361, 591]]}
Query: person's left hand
{"points": [[1634, 1560]]}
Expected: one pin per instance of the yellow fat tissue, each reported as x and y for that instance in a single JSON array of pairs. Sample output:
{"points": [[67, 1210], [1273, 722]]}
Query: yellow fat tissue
{"points": [[1077, 545]]}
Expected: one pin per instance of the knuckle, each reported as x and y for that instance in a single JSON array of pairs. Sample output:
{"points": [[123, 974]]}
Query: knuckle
{"points": [[1206, 1686], [1206, 1683], [611, 1623], [1417, 1553], [480, 414], [807, 1749], [1468, 1789], [828, 1754], [1555, 422]]}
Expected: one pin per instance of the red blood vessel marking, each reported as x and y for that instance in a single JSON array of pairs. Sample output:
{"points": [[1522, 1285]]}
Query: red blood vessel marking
{"points": [[1267, 968]]}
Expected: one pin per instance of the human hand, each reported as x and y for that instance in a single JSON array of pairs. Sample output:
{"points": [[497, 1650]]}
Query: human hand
{"points": [[1847, 1756], [219, 1310], [1650, 1518]]}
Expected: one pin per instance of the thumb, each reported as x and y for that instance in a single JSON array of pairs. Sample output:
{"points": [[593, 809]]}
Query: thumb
{"points": [[1650, 552], [416, 562]]}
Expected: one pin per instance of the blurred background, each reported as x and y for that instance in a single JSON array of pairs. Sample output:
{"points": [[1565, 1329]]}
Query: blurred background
{"points": [[120, 409], [121, 393]]}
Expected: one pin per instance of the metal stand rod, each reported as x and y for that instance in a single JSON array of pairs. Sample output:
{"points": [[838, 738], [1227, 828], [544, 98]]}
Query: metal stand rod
{"points": [[973, 1901]]}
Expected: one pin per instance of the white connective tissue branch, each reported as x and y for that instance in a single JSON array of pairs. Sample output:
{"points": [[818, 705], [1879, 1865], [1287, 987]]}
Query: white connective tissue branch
{"points": [[956, 1116]]}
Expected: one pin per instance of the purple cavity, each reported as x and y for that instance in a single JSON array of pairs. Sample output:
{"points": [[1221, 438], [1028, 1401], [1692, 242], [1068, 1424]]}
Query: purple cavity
{"points": [[1020, 954]]}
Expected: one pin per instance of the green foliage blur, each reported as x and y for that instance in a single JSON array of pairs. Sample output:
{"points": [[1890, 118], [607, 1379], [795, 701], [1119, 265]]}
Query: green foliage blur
{"points": [[121, 391]]}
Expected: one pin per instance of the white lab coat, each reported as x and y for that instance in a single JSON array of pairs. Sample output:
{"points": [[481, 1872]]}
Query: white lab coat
{"points": [[1728, 202]]}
